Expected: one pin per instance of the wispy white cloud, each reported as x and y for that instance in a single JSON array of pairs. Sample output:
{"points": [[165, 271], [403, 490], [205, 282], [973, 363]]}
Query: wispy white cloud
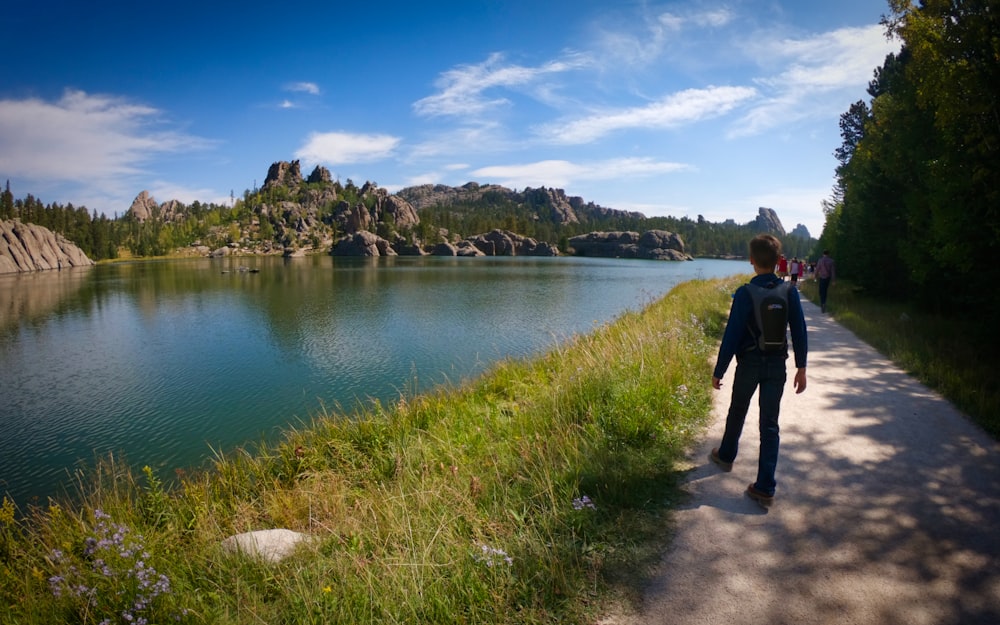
{"points": [[487, 136], [287, 104], [463, 89], [303, 87], [339, 148], [562, 173], [101, 145], [84, 137], [820, 75], [163, 190], [638, 43], [686, 107]]}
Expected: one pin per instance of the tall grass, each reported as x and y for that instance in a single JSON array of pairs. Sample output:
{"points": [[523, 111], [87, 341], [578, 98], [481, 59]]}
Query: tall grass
{"points": [[945, 355], [537, 493]]}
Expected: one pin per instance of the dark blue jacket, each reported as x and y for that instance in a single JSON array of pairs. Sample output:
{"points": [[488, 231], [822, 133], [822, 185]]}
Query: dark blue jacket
{"points": [[737, 338]]}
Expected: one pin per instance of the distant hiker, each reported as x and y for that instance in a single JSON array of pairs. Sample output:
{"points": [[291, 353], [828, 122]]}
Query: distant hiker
{"points": [[761, 349], [782, 266], [826, 272], [794, 269]]}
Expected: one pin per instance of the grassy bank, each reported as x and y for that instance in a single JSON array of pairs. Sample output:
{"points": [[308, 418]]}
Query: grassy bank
{"points": [[535, 494], [947, 356]]}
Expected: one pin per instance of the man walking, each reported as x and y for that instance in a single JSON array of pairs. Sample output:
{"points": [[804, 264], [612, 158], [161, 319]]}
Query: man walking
{"points": [[827, 273]]}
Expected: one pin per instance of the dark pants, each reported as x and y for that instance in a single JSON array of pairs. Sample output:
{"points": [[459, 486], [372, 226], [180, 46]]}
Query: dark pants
{"points": [[756, 370], [824, 287]]}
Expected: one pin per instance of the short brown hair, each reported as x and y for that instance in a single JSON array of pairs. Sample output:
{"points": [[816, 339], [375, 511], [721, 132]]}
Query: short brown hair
{"points": [[765, 250]]}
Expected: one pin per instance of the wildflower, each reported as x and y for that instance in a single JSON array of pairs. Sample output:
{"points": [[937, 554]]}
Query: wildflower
{"points": [[116, 578], [327, 589], [583, 502], [490, 556]]}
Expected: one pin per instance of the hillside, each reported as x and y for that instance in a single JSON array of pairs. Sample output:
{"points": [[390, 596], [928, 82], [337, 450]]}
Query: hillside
{"points": [[292, 214]]}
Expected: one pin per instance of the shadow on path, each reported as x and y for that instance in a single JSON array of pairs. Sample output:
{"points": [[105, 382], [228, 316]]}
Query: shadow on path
{"points": [[886, 513]]}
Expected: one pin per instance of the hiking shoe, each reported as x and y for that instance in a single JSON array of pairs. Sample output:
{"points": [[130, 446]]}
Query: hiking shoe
{"points": [[722, 464], [758, 496]]}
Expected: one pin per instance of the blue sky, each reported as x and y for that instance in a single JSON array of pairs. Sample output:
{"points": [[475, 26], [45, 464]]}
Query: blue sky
{"points": [[669, 108]]}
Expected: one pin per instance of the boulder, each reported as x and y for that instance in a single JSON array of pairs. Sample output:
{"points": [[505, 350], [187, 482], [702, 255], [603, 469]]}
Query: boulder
{"points": [[506, 243], [362, 243], [444, 249], [268, 545], [29, 247], [467, 248]]}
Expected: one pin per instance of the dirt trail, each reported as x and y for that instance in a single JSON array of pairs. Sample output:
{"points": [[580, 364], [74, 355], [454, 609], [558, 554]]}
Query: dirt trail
{"points": [[887, 510]]}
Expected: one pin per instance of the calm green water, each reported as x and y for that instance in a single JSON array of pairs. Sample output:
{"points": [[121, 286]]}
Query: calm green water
{"points": [[161, 362]]}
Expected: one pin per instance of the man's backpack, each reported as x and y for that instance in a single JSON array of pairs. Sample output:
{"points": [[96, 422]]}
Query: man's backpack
{"points": [[770, 313]]}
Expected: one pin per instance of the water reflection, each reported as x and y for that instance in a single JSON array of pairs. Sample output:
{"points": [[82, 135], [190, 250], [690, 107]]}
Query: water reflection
{"points": [[159, 360]]}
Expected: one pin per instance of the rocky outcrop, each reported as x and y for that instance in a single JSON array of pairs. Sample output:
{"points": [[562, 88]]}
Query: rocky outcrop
{"points": [[298, 218], [800, 231], [283, 173], [145, 207], [28, 247], [651, 245], [389, 208], [320, 175], [767, 221], [549, 204], [362, 243], [462, 248], [506, 243]]}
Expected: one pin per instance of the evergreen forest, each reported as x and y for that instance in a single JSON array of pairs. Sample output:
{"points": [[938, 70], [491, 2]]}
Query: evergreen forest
{"points": [[915, 214]]}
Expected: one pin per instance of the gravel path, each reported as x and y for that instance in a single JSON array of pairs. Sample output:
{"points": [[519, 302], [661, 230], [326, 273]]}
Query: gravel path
{"points": [[887, 510]]}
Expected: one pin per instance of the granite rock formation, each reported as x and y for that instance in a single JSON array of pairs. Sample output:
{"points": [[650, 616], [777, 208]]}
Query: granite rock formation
{"points": [[145, 207], [506, 243], [362, 243], [650, 245], [29, 247], [800, 231], [767, 221]]}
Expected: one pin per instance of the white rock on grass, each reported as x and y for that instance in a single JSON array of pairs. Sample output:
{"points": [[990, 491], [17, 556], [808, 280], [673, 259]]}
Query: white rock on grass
{"points": [[268, 545]]}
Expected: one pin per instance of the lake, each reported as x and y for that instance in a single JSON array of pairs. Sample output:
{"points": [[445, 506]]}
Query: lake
{"points": [[161, 362]]}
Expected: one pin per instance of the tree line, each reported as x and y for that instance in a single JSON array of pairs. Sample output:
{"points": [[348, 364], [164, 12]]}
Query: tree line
{"points": [[102, 237], [531, 219], [246, 219], [915, 213]]}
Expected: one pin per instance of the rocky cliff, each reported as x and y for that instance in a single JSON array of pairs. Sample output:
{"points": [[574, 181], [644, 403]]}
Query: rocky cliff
{"points": [[27, 247], [767, 221]]}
